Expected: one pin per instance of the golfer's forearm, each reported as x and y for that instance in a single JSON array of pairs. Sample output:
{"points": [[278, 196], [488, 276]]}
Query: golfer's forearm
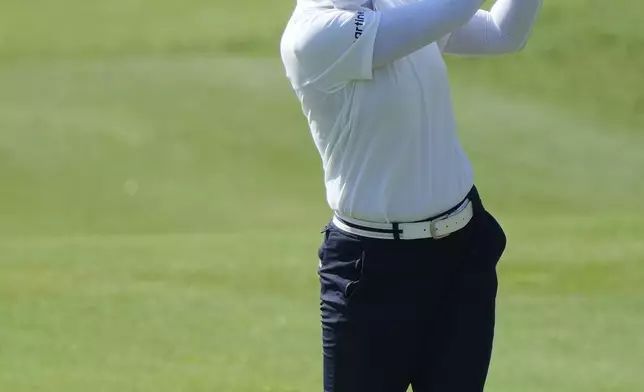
{"points": [[504, 29], [514, 20], [404, 30]]}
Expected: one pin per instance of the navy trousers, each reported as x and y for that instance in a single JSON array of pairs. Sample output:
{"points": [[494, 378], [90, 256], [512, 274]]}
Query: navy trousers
{"points": [[397, 313]]}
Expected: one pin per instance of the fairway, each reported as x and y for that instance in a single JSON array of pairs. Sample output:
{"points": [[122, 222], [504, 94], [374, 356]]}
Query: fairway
{"points": [[162, 200]]}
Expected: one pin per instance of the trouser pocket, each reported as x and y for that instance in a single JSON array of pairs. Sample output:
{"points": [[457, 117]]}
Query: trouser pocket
{"points": [[491, 239], [341, 268]]}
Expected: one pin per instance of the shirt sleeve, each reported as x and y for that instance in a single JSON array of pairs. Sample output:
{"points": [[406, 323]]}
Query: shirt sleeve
{"points": [[407, 28], [504, 29], [334, 47]]}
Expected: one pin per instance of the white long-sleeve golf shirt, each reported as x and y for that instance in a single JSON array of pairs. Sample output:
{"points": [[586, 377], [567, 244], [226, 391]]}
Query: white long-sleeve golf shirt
{"points": [[373, 85]]}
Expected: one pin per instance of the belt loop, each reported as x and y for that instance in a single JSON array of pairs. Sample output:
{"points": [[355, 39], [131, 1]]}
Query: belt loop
{"points": [[396, 231]]}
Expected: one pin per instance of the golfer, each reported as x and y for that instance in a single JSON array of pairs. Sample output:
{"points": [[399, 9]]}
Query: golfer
{"points": [[408, 262]]}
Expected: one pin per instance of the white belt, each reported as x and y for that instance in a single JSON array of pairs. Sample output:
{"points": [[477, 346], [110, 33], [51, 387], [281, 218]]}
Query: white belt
{"points": [[436, 228]]}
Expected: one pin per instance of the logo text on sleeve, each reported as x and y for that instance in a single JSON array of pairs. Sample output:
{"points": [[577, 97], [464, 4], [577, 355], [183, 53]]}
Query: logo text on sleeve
{"points": [[359, 22]]}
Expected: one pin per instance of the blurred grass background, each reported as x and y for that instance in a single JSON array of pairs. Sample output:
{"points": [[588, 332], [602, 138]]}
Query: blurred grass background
{"points": [[151, 151]]}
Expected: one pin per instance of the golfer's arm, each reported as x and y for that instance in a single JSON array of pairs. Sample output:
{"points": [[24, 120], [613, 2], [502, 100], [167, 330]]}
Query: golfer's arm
{"points": [[406, 29], [504, 29]]}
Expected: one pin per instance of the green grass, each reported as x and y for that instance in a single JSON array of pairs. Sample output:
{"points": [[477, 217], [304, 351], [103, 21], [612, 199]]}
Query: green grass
{"points": [[150, 151]]}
